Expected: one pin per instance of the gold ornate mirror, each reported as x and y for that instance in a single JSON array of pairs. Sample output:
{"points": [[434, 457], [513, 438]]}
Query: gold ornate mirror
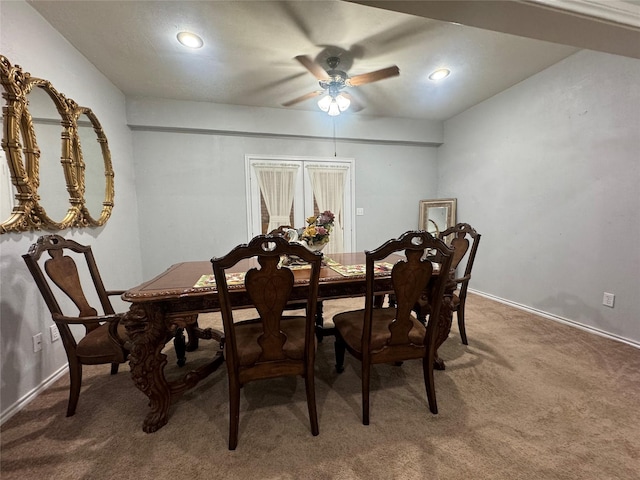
{"points": [[47, 116], [7, 190], [94, 169], [57, 157], [20, 173]]}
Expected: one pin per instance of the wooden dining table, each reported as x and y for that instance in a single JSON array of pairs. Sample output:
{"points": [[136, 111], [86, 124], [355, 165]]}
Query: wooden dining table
{"points": [[164, 306]]}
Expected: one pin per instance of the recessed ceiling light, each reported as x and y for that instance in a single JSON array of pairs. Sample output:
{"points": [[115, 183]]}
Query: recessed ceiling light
{"points": [[190, 40], [439, 74]]}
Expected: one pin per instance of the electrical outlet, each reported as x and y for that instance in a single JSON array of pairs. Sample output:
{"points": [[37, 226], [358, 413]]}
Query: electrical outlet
{"points": [[37, 342], [55, 333], [607, 299], [359, 211]]}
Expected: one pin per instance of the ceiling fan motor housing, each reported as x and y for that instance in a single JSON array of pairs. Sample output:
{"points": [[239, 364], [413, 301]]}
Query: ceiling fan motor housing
{"points": [[337, 78]]}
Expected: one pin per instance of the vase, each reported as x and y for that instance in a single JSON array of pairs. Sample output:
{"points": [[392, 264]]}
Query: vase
{"points": [[315, 247]]}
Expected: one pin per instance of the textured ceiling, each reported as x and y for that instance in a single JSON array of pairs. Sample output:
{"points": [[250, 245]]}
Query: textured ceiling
{"points": [[248, 57]]}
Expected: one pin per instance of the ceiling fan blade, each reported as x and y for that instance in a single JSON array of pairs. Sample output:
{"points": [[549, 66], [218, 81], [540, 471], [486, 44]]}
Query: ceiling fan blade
{"points": [[373, 76], [304, 97], [315, 69]]}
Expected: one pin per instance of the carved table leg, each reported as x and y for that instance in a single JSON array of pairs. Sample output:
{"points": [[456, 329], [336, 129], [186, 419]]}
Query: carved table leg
{"points": [[147, 330]]}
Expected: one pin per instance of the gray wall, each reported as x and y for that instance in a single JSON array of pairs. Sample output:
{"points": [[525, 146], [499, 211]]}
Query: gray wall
{"points": [[548, 171], [191, 181], [27, 40]]}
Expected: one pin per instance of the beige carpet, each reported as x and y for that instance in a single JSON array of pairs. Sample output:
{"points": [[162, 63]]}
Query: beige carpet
{"points": [[527, 399]]}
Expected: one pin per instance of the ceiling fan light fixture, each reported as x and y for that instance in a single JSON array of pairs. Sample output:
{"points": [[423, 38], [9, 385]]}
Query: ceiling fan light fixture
{"points": [[343, 102], [190, 40], [333, 108], [324, 103], [334, 104], [439, 74]]}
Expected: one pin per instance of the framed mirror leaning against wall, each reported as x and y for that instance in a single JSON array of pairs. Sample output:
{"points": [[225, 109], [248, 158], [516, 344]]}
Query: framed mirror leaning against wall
{"points": [[437, 215], [57, 158]]}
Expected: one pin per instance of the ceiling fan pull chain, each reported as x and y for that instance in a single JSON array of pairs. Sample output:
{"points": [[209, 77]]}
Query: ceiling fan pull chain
{"points": [[335, 147]]}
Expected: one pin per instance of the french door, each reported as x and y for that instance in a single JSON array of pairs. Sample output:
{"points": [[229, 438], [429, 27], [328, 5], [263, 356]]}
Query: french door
{"points": [[286, 190]]}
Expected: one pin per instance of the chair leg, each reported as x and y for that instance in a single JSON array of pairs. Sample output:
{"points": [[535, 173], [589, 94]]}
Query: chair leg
{"points": [[234, 413], [75, 378], [366, 381], [180, 346], [319, 321], [114, 368], [427, 368], [309, 382], [192, 332], [378, 301], [461, 327], [340, 348]]}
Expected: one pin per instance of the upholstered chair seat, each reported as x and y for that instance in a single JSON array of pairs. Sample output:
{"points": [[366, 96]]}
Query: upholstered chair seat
{"points": [[248, 332]]}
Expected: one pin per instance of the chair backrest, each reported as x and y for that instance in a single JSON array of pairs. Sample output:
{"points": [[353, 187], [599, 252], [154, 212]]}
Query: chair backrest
{"points": [[270, 288], [411, 276], [460, 243], [61, 270]]}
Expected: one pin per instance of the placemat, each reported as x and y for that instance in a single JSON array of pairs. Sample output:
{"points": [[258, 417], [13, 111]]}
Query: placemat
{"points": [[210, 280], [381, 268]]}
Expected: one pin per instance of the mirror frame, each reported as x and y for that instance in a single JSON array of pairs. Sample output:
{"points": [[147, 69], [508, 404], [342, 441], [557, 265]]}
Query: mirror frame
{"points": [[14, 125], [32, 154], [23, 155], [109, 194], [448, 203]]}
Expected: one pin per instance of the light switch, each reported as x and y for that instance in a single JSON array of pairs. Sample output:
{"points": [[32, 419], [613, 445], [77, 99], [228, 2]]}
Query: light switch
{"points": [[359, 211]]}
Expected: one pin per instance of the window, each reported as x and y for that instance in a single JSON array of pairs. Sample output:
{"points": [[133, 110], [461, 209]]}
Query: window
{"points": [[287, 190]]}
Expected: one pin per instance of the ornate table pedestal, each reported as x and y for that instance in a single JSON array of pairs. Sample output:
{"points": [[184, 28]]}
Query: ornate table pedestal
{"points": [[149, 331]]}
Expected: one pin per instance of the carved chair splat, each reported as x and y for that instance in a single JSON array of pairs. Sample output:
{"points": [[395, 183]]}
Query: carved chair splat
{"points": [[273, 344]]}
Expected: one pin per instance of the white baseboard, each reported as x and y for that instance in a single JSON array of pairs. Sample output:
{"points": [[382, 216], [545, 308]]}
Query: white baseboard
{"points": [[557, 318], [24, 401]]}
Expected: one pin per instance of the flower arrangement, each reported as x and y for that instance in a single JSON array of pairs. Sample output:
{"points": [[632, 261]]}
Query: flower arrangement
{"points": [[318, 229]]}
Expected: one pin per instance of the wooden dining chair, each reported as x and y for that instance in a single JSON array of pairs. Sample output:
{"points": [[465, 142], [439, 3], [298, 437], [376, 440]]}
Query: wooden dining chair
{"points": [[274, 344], [393, 334], [104, 338], [460, 242], [462, 236]]}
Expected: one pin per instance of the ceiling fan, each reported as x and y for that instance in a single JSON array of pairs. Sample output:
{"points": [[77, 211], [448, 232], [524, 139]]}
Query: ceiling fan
{"points": [[334, 81]]}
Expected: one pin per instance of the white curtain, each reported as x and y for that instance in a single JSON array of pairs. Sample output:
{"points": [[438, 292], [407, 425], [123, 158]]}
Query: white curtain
{"points": [[328, 189], [277, 185]]}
